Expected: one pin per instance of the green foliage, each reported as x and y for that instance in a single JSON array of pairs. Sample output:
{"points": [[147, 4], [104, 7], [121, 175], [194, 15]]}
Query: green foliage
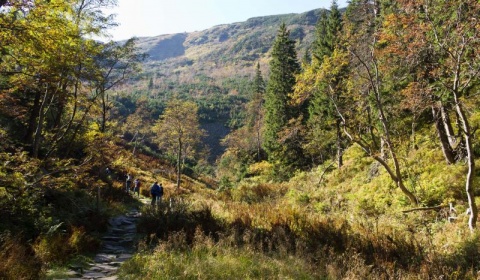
{"points": [[179, 133], [243, 145], [231, 168], [320, 87], [466, 253], [330, 222], [283, 68], [224, 183]]}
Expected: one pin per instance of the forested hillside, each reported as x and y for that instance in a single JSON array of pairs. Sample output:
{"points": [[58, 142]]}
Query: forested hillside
{"points": [[214, 67], [333, 144]]}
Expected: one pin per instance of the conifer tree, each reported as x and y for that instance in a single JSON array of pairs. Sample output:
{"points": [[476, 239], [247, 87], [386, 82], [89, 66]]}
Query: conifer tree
{"points": [[324, 122], [284, 66], [318, 46], [255, 109], [326, 32], [258, 82]]}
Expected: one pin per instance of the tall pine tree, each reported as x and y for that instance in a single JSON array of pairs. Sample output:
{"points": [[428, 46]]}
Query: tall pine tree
{"points": [[327, 30], [255, 110], [258, 82], [284, 66]]}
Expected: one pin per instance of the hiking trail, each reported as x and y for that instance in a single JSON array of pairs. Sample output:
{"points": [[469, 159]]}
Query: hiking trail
{"points": [[118, 245]]}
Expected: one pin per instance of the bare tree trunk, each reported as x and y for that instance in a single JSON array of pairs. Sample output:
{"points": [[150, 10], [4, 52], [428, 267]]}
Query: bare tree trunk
{"points": [[339, 144], [179, 163], [414, 134], [447, 123], [472, 221], [135, 136], [259, 145], [374, 80], [32, 121], [383, 149], [70, 122], [447, 149], [104, 109], [257, 127], [39, 130], [398, 174]]}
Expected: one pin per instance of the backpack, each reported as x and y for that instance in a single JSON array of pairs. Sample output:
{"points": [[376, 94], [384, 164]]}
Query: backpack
{"points": [[154, 189]]}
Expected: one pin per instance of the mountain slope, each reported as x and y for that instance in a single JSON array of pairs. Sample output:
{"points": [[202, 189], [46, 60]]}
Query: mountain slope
{"points": [[223, 51], [215, 67]]}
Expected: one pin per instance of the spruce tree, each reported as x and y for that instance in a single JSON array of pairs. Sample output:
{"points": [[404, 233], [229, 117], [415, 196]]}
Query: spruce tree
{"points": [[319, 47], [284, 66], [326, 33], [323, 121], [258, 82], [255, 111]]}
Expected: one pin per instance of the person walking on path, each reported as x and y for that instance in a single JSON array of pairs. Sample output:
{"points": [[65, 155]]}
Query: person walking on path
{"points": [[156, 191], [136, 187], [128, 183]]}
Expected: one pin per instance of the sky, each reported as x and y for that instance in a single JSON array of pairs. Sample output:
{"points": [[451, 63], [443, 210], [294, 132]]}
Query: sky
{"points": [[145, 18]]}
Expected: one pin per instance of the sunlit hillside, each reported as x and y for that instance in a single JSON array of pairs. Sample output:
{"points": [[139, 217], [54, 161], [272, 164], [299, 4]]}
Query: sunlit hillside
{"points": [[336, 145], [222, 52]]}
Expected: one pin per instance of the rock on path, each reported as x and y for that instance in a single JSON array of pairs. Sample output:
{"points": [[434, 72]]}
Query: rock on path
{"points": [[117, 247]]}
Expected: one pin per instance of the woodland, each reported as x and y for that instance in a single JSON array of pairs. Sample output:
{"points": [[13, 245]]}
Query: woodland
{"points": [[349, 155]]}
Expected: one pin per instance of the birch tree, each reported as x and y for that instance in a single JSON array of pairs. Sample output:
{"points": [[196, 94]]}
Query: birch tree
{"points": [[178, 132]]}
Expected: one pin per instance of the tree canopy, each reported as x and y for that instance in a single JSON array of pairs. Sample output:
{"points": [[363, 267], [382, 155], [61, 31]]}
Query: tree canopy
{"points": [[178, 132]]}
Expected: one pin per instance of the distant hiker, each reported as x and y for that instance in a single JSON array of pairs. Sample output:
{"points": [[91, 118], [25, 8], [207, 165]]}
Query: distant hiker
{"points": [[128, 183], [136, 187], [108, 173], [159, 199], [156, 191]]}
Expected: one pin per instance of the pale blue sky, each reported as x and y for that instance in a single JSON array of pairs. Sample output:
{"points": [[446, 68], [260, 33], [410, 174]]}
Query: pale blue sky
{"points": [[143, 18]]}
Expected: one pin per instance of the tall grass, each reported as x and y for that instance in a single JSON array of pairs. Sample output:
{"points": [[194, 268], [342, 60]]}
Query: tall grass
{"points": [[206, 258]]}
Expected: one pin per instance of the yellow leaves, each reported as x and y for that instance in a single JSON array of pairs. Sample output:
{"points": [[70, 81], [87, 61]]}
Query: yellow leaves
{"points": [[304, 86], [178, 128], [44, 44], [390, 21], [317, 74], [93, 132]]}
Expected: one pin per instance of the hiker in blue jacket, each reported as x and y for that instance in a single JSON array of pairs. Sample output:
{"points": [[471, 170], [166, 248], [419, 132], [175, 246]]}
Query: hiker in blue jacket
{"points": [[156, 191]]}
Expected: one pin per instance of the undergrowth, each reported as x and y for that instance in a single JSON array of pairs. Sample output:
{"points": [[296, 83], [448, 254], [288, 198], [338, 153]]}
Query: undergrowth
{"points": [[349, 223]]}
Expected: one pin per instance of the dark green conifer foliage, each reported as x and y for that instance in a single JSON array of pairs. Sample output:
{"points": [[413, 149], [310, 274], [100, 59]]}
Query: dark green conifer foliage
{"points": [[326, 32], [323, 121], [319, 45], [255, 110], [284, 66], [258, 82]]}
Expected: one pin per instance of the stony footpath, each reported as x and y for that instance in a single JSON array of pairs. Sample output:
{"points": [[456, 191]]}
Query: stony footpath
{"points": [[117, 247]]}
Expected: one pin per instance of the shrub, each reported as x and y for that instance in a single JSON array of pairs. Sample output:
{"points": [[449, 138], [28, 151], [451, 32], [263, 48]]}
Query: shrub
{"points": [[257, 192], [52, 248], [17, 259], [166, 218]]}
